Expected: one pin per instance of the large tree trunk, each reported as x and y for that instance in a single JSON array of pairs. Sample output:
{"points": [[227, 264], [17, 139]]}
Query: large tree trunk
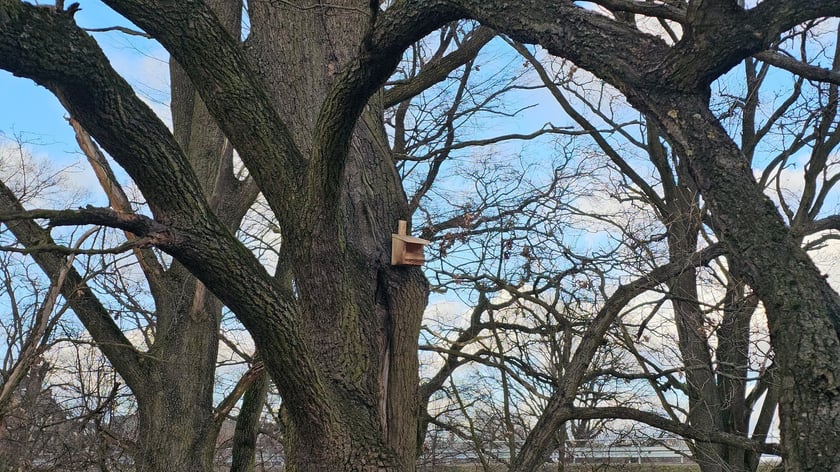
{"points": [[177, 430], [175, 404], [364, 313]]}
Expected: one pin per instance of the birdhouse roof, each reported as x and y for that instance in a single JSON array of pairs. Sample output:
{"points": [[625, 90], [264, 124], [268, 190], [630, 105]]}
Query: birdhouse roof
{"points": [[410, 239]]}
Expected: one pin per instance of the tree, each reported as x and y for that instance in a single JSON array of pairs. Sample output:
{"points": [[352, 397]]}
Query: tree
{"points": [[717, 376], [300, 102], [714, 339]]}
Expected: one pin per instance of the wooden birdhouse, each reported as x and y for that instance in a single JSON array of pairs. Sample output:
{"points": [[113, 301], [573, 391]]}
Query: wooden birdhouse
{"points": [[406, 250]]}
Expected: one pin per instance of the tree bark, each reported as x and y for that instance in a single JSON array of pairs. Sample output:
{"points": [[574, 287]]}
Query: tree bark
{"points": [[704, 405], [248, 425], [364, 313], [733, 364]]}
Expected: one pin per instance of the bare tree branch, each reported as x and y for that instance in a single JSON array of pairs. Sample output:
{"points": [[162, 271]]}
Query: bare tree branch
{"points": [[34, 343], [438, 69], [682, 429], [798, 67], [656, 10], [137, 224]]}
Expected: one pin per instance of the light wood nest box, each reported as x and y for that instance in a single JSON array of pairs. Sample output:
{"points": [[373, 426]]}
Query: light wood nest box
{"points": [[406, 250]]}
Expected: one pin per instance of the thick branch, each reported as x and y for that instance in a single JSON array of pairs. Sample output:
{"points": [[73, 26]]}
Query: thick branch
{"points": [[437, 70], [656, 10], [824, 224], [404, 23], [798, 67], [722, 34], [50, 49], [229, 86], [137, 224], [778, 16]]}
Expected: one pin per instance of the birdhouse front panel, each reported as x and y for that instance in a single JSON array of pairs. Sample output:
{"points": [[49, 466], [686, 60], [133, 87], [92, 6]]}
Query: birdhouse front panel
{"points": [[406, 250]]}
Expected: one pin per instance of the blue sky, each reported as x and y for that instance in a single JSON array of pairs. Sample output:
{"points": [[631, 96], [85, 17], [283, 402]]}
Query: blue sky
{"points": [[33, 114]]}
